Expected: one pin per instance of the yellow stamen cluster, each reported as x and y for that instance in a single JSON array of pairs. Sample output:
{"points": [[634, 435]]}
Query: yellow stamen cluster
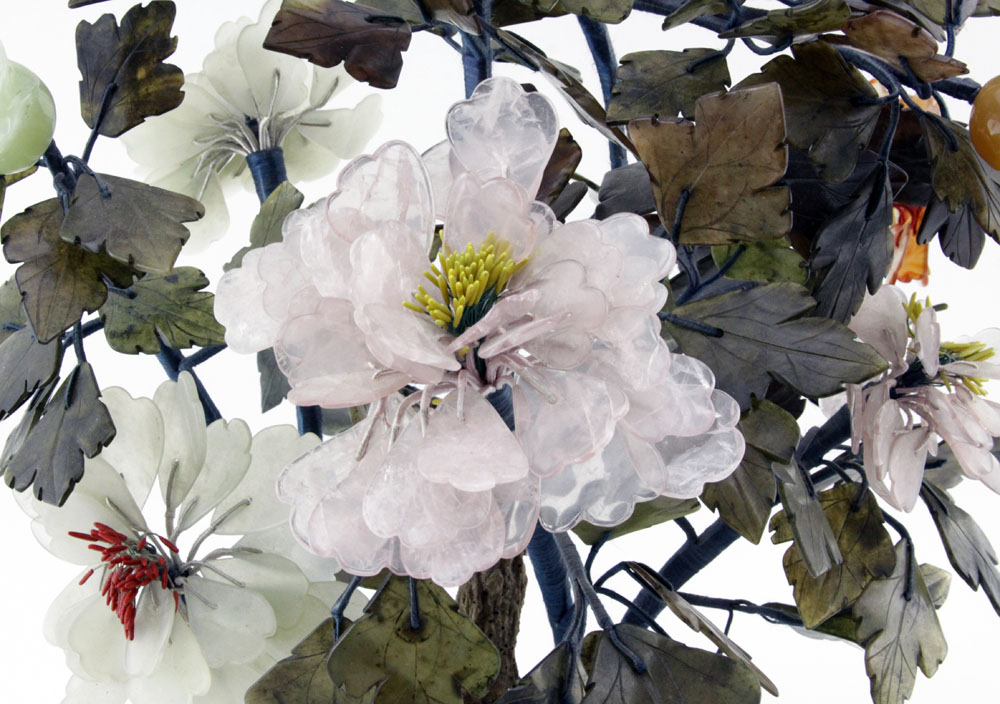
{"points": [[914, 307], [969, 352], [463, 278]]}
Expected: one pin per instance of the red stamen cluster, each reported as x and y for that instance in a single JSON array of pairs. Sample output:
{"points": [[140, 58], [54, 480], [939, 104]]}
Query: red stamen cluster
{"points": [[131, 566]]}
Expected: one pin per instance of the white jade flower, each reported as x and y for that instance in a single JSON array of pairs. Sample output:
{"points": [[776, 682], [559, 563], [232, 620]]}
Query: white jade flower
{"points": [[558, 321], [27, 116], [246, 100], [163, 618], [931, 391]]}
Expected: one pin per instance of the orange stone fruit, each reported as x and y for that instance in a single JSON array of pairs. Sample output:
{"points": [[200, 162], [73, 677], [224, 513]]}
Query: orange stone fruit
{"points": [[984, 124]]}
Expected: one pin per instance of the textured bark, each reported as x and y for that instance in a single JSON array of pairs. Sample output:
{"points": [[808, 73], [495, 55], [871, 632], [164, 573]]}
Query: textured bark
{"points": [[493, 601]]}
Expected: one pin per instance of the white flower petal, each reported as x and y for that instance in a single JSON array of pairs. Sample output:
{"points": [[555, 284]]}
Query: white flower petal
{"points": [[232, 626], [227, 457], [181, 674], [184, 436], [154, 620]]}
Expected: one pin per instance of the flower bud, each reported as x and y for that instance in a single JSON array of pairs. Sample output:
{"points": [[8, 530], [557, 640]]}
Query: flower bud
{"points": [[27, 116]]}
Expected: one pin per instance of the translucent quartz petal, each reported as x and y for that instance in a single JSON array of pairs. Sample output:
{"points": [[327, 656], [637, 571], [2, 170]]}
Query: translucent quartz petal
{"points": [[504, 312], [544, 220], [602, 490], [321, 252], [906, 467], [680, 405], [184, 435], [642, 252], [391, 185], [222, 68], [233, 629], [639, 359], [574, 419], [453, 562], [473, 454], [96, 623], [273, 577], [881, 322], [135, 451], [272, 449], [406, 341], [182, 672], [497, 207], [581, 242], [81, 691], [438, 161], [239, 306], [503, 131], [287, 290], [518, 503], [227, 458], [154, 619], [927, 334], [63, 612], [567, 294]]}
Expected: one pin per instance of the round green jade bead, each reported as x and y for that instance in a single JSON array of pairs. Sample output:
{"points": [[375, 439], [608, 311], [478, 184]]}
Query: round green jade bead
{"points": [[27, 116]]}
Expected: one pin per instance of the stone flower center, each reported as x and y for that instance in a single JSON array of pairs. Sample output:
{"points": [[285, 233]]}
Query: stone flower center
{"points": [[466, 284]]}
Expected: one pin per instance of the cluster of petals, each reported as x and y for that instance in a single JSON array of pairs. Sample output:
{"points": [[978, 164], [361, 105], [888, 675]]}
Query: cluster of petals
{"points": [[434, 483], [923, 398], [247, 99], [220, 617]]}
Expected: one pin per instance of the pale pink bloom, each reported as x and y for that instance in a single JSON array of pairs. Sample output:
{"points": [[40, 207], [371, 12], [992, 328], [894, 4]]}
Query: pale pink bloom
{"points": [[926, 395], [434, 484]]}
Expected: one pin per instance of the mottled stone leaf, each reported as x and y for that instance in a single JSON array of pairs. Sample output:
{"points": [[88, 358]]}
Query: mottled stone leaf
{"points": [[968, 548], [938, 583], [626, 189], [136, 224], [764, 336], [664, 83], [266, 226], [562, 164], [327, 32], [959, 234], [645, 514], [557, 679], [766, 261], [74, 424], [274, 386], [727, 162], [25, 364], [853, 249], [690, 10], [864, 545], [895, 38], [130, 57], [745, 498], [803, 520], [810, 17], [900, 631], [676, 674], [10, 180], [300, 678], [432, 665], [830, 108], [607, 11], [57, 280], [172, 308], [12, 315]]}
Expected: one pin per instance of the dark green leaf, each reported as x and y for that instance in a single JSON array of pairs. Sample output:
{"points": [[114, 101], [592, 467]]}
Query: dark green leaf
{"points": [[562, 164], [692, 10], [266, 227], [608, 11], [83, 3], [171, 308], [300, 678], [274, 384], [959, 234], [865, 547], [328, 32], [767, 261], [58, 280], [676, 674], [645, 514], [558, 679], [900, 631], [807, 18], [10, 180], [968, 548], [803, 521], [625, 190], [433, 665], [830, 108], [765, 337], [74, 425], [728, 162], [136, 224], [664, 83], [25, 364], [130, 56], [853, 249], [895, 38], [745, 498], [12, 315], [938, 583]]}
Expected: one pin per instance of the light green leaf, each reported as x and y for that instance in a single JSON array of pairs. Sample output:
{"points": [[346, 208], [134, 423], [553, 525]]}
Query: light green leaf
{"points": [[266, 227], [644, 515]]}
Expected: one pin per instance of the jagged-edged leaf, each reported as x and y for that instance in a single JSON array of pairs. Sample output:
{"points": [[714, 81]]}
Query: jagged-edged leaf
{"points": [[830, 108], [968, 548], [694, 620], [274, 384], [727, 163], [763, 336], [626, 189], [608, 11], [938, 583], [900, 631], [74, 424], [864, 545], [300, 678], [676, 674], [557, 679], [266, 227], [893, 38], [692, 10], [57, 280], [745, 498], [12, 315], [810, 17], [10, 180], [136, 224], [803, 520], [853, 249], [434, 664], [664, 83], [130, 57], [25, 364], [645, 514], [767, 261], [959, 234], [172, 308], [562, 164], [328, 32]]}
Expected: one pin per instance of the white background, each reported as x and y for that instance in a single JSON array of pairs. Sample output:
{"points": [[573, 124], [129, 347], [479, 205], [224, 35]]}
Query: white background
{"points": [[40, 35]]}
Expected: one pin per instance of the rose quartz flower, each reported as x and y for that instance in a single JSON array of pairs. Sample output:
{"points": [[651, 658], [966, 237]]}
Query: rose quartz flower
{"points": [[558, 320], [931, 391]]}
